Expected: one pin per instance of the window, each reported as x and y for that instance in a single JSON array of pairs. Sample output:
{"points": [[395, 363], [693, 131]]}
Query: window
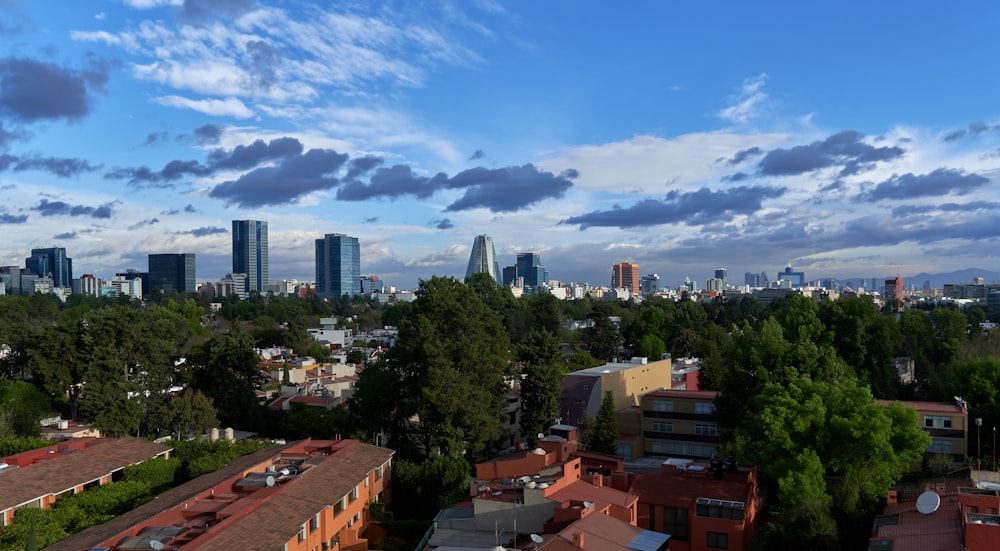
{"points": [[378, 473], [586, 387], [937, 422], [704, 407], [302, 533], [717, 540], [353, 495], [663, 405], [940, 446], [314, 523], [705, 430], [663, 426], [513, 418], [338, 507], [675, 523], [719, 508], [652, 518]]}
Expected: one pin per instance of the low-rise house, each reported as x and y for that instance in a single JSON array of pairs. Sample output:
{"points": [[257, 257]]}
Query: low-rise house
{"points": [[37, 478]]}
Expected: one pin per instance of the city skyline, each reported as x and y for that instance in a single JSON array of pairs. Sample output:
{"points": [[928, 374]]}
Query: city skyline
{"points": [[682, 136]]}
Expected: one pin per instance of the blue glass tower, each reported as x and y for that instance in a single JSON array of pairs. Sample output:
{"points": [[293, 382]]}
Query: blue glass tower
{"points": [[529, 266], [250, 253], [338, 266], [51, 262]]}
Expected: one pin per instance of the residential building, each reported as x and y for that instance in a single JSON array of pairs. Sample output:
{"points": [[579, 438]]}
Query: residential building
{"points": [[483, 258], [312, 494], [943, 514], [51, 262], [680, 423], [625, 275], [947, 424], [582, 390], [131, 288], [169, 273], [894, 292], [250, 254], [89, 285], [338, 266], [703, 505], [35, 479]]}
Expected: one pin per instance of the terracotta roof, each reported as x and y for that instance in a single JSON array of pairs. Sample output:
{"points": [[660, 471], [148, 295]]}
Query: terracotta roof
{"points": [[599, 532], [279, 518], [936, 407], [62, 471], [600, 496], [94, 535], [665, 490]]}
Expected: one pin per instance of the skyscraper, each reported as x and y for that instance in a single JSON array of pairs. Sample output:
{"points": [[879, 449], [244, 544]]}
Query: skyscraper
{"points": [[51, 262], [625, 276], [172, 272], [529, 266], [250, 253], [483, 258], [338, 266]]}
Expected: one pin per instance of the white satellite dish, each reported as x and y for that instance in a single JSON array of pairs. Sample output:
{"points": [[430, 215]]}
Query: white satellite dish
{"points": [[588, 505], [928, 502], [155, 544], [541, 435], [536, 538]]}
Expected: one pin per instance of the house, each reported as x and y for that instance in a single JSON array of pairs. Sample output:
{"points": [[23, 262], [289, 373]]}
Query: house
{"points": [[312, 494], [582, 390], [679, 423], [947, 424], [37, 478]]}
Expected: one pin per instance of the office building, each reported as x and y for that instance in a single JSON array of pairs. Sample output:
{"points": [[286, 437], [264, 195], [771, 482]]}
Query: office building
{"points": [[132, 274], [170, 273], [791, 277], [338, 266], [625, 276], [650, 285], [483, 258], [11, 277], [529, 266], [51, 262], [250, 254], [509, 276]]}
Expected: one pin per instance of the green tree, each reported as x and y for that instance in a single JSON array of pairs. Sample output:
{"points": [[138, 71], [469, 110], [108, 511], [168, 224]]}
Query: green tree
{"points": [[21, 407], [540, 388], [652, 347], [226, 370], [454, 358], [187, 415], [604, 434], [602, 338]]}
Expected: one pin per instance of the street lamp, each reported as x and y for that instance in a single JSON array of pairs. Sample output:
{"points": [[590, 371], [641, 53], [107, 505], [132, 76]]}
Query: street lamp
{"points": [[979, 447]]}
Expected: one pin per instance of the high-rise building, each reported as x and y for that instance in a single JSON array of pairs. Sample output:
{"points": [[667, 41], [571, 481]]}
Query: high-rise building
{"points": [[51, 262], [11, 276], [250, 254], [483, 258], [650, 284], [338, 266], [529, 266], [509, 275], [625, 276], [131, 274], [794, 279], [170, 273], [894, 292]]}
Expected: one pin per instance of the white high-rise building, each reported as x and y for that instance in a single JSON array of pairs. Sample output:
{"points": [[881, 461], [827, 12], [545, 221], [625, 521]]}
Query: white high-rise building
{"points": [[483, 258]]}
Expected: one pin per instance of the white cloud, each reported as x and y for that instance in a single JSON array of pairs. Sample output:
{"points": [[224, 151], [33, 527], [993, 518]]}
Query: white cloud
{"points": [[747, 104], [229, 107], [149, 4]]}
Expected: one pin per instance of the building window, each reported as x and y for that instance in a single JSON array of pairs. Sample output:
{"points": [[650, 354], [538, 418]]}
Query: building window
{"points": [[302, 533], [705, 430], [353, 495], [717, 540], [937, 422], [378, 473], [338, 507], [940, 446], [719, 508], [586, 387], [675, 523], [663, 405], [314, 523], [652, 518], [663, 426], [706, 408]]}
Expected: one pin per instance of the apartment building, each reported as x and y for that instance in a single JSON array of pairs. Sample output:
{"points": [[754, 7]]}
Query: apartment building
{"points": [[582, 390], [679, 423], [947, 424]]}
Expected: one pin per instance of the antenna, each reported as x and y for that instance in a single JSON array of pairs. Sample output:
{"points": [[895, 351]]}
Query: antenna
{"points": [[928, 502]]}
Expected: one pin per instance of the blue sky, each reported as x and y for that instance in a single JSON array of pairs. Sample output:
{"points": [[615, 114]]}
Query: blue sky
{"points": [[850, 139]]}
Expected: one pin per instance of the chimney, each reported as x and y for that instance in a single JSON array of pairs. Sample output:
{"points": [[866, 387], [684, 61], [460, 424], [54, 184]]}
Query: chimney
{"points": [[597, 480], [578, 540]]}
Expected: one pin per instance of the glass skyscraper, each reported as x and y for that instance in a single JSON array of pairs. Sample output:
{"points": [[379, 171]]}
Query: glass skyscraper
{"points": [[483, 258], [529, 266], [338, 266], [171, 272], [250, 254], [51, 262]]}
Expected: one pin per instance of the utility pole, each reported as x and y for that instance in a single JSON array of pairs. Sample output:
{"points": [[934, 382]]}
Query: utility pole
{"points": [[979, 447]]}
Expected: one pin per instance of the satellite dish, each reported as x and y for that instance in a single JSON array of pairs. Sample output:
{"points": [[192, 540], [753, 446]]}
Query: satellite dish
{"points": [[536, 538], [928, 502], [588, 505], [541, 435], [155, 544]]}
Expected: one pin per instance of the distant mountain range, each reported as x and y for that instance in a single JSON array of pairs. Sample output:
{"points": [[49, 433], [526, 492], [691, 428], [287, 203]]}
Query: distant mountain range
{"points": [[936, 280]]}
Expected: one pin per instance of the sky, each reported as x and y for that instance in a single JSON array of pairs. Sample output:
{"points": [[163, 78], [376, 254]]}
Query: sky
{"points": [[846, 139]]}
